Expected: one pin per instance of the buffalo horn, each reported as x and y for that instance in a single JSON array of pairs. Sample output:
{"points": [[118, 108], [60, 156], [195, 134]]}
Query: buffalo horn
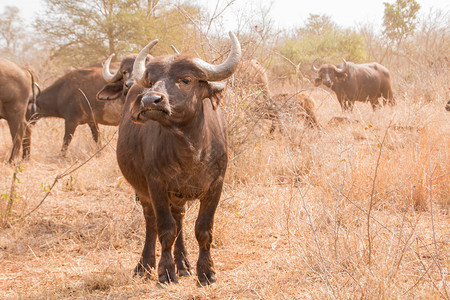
{"points": [[225, 69], [344, 68], [139, 63], [107, 75], [314, 67], [175, 49]]}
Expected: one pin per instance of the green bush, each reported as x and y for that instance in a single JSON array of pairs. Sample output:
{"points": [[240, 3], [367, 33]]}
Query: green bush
{"points": [[321, 39]]}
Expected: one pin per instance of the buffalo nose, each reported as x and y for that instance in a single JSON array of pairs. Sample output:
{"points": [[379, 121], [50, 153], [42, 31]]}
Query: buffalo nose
{"points": [[129, 83], [151, 100]]}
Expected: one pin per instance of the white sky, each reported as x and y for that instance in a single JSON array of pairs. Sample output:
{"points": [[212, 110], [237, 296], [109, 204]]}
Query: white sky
{"points": [[284, 13]]}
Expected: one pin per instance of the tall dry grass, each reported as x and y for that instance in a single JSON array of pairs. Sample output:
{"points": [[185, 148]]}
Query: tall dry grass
{"points": [[356, 209]]}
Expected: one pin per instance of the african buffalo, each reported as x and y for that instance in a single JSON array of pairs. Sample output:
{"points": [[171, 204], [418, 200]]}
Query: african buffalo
{"points": [[16, 91], [447, 106], [73, 98], [299, 105], [172, 148], [356, 82], [119, 82], [252, 73]]}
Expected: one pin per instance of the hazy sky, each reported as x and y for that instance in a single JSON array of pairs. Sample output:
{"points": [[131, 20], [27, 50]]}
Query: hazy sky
{"points": [[284, 13]]}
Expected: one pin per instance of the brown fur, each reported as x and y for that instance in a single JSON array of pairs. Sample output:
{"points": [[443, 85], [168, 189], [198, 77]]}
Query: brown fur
{"points": [[301, 105], [360, 82], [63, 99], [16, 84], [252, 73], [172, 148]]}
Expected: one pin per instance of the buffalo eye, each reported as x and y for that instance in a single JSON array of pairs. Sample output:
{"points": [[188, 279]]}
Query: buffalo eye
{"points": [[186, 80]]}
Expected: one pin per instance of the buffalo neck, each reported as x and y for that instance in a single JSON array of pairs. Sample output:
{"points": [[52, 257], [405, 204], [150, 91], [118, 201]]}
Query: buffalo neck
{"points": [[190, 136]]}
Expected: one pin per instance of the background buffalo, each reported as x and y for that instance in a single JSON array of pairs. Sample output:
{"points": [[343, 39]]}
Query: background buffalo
{"points": [[73, 98], [16, 87], [356, 82]]}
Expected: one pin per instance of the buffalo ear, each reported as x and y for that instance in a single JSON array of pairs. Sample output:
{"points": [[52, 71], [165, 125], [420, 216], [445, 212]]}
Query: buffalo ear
{"points": [[318, 81], [111, 91], [215, 92]]}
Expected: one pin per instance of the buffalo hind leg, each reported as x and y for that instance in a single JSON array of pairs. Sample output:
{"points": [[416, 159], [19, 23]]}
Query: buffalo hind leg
{"points": [[203, 233], [70, 127], [179, 252], [26, 142], [375, 104], [147, 261], [16, 128], [388, 97]]}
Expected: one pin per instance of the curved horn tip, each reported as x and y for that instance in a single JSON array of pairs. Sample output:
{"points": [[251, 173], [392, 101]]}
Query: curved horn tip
{"points": [[139, 63], [107, 74], [175, 49], [234, 38], [110, 57], [315, 69], [225, 69]]}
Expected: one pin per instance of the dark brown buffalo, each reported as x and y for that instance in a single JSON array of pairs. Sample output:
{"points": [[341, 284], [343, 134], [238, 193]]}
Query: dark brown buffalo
{"points": [[172, 148], [73, 98], [16, 89], [447, 106], [356, 82], [119, 82]]}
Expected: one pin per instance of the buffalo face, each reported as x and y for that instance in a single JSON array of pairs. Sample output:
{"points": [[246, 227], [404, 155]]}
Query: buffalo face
{"points": [[329, 75], [173, 97], [118, 83], [176, 85]]}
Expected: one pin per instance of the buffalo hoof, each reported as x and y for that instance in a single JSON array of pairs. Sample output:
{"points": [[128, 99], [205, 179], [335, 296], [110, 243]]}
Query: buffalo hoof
{"points": [[142, 272], [167, 276], [205, 279], [184, 268], [184, 272]]}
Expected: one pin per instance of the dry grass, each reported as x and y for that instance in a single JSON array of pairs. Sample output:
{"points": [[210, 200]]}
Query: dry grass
{"points": [[358, 209]]}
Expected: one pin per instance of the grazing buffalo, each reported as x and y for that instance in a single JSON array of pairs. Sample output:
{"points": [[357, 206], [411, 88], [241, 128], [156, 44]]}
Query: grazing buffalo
{"points": [[356, 82], [16, 91], [299, 105], [73, 98], [447, 106], [252, 73], [172, 148]]}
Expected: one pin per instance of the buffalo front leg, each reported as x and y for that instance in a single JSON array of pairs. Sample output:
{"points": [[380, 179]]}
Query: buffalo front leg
{"points": [[180, 253], [95, 134], [16, 128], [203, 233], [148, 259], [70, 126], [167, 232]]}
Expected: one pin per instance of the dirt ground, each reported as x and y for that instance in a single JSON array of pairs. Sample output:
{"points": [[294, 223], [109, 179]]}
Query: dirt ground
{"points": [[356, 209]]}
